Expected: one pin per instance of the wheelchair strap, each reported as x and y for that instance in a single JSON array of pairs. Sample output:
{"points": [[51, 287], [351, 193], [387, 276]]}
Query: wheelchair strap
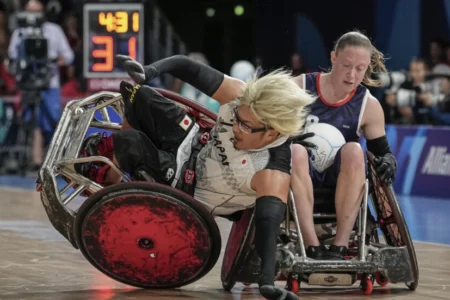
{"points": [[187, 177]]}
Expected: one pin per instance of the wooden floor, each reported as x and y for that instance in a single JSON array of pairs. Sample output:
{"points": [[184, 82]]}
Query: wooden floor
{"points": [[37, 263]]}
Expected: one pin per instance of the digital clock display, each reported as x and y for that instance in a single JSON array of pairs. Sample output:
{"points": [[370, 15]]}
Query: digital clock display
{"points": [[111, 29]]}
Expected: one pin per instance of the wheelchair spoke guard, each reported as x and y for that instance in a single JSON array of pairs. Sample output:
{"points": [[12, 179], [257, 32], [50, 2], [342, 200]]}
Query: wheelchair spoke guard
{"points": [[147, 235], [391, 220], [237, 249]]}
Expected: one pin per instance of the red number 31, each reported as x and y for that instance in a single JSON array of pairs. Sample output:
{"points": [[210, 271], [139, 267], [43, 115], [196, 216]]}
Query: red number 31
{"points": [[108, 53]]}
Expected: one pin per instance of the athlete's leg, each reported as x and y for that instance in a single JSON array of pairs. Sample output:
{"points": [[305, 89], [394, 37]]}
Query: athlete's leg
{"points": [[148, 111], [132, 151], [349, 189], [156, 124], [302, 187]]}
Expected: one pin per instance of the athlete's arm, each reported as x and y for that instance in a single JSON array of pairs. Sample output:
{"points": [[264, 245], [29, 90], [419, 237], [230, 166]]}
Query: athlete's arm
{"points": [[377, 143], [373, 119], [274, 179], [206, 79], [229, 90]]}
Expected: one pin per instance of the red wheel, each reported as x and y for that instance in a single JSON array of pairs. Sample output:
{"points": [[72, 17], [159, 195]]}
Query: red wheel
{"points": [[147, 235], [293, 285], [381, 280], [237, 249], [247, 283], [367, 286]]}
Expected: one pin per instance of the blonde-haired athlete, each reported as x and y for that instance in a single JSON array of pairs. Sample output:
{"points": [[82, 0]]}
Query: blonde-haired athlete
{"points": [[246, 161]]}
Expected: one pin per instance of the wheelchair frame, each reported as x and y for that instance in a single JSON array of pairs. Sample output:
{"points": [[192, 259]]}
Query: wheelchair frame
{"points": [[395, 262], [243, 265]]}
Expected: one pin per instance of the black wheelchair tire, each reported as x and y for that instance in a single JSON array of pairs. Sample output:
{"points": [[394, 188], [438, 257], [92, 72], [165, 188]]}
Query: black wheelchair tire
{"points": [[398, 218]]}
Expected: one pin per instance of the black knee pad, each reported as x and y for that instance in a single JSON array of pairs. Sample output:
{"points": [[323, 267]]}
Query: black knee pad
{"points": [[270, 208]]}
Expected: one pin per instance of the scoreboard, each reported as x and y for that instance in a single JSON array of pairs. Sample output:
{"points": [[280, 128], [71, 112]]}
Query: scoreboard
{"points": [[110, 29]]}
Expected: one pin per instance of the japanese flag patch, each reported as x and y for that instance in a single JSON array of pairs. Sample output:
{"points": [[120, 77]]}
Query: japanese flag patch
{"points": [[186, 122]]}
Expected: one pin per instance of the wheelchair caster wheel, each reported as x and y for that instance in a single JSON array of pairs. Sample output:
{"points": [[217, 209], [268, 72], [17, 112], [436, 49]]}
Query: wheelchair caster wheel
{"points": [[367, 286], [293, 285], [381, 280]]}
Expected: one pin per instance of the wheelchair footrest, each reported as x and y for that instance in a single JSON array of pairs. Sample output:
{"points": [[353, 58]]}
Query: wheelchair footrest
{"points": [[329, 279], [392, 262], [317, 266]]}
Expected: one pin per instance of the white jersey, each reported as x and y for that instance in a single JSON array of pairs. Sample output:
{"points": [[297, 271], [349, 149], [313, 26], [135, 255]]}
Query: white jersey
{"points": [[224, 173]]}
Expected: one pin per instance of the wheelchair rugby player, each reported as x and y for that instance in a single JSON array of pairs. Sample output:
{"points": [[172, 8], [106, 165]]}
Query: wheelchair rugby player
{"points": [[246, 157]]}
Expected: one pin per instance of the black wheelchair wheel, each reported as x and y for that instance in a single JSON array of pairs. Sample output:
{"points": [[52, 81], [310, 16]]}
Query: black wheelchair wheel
{"points": [[391, 220], [147, 235]]}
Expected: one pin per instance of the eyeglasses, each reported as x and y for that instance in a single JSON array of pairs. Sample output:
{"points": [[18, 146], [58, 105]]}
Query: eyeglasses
{"points": [[242, 126]]}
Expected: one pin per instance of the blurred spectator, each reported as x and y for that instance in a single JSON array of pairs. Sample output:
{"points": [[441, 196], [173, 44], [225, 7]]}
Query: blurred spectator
{"points": [[70, 75], [436, 55], [412, 95], [72, 31], [71, 88], [440, 111], [447, 54], [59, 50], [298, 64], [7, 81]]}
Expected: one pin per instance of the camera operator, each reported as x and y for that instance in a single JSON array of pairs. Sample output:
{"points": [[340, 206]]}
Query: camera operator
{"points": [[59, 54], [440, 111], [413, 94]]}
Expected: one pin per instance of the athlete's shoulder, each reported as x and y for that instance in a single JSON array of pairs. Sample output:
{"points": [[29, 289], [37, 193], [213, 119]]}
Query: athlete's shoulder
{"points": [[310, 81], [372, 101], [373, 109], [311, 75], [302, 78]]}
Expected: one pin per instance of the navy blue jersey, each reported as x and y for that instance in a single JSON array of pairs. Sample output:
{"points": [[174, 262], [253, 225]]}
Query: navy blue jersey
{"points": [[345, 116]]}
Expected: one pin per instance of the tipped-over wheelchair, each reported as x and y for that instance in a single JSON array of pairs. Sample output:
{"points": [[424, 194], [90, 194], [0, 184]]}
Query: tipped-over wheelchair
{"points": [[149, 235]]}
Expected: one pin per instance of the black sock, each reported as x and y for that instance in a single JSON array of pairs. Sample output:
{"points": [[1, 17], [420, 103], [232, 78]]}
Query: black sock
{"points": [[269, 212]]}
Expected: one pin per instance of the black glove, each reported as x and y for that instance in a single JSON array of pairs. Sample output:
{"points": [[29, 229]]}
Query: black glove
{"points": [[300, 139], [139, 73], [386, 167]]}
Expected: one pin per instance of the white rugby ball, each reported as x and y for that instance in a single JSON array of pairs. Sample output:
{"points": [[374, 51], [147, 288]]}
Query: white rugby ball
{"points": [[328, 140]]}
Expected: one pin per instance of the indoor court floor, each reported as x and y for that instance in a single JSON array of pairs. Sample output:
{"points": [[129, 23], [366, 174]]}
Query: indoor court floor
{"points": [[36, 262]]}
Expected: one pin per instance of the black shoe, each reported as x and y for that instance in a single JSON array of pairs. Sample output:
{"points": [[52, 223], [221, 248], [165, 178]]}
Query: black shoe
{"points": [[317, 252], [272, 292], [337, 252]]}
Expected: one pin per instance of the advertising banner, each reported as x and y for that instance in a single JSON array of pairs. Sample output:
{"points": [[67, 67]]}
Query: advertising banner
{"points": [[423, 156]]}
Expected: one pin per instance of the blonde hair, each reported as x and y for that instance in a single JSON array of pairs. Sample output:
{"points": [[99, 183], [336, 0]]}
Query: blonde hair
{"points": [[278, 102], [358, 39]]}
